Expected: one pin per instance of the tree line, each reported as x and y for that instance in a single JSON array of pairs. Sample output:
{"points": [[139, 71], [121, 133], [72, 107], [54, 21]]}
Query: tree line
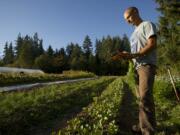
{"points": [[28, 52]]}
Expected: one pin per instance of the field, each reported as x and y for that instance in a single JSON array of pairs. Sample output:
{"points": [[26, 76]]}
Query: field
{"points": [[106, 105], [7, 79]]}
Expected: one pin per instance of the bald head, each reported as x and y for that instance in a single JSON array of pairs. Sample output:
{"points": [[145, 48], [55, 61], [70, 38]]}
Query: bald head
{"points": [[132, 10], [131, 15]]}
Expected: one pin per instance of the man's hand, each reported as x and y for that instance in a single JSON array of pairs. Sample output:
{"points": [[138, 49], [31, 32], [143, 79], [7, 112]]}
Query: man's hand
{"points": [[125, 55], [116, 57]]}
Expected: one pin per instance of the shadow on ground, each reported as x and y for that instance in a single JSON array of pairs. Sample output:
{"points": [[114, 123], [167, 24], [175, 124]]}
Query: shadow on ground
{"points": [[128, 112]]}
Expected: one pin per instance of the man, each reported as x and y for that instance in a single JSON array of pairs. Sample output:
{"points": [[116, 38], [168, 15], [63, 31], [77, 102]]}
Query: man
{"points": [[143, 54]]}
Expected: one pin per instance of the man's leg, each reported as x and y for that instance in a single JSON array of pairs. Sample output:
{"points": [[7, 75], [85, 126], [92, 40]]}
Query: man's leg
{"points": [[146, 105]]}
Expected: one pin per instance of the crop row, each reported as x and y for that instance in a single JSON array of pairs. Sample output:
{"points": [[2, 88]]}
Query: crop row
{"points": [[101, 116], [20, 111]]}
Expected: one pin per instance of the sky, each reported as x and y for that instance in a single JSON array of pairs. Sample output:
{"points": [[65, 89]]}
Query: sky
{"points": [[60, 22]]}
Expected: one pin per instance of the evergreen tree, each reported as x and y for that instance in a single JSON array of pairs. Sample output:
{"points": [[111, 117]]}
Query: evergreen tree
{"points": [[8, 54], [1, 62], [50, 51], [92, 63], [87, 49], [11, 53], [5, 58], [87, 46], [69, 49], [98, 45], [37, 45], [19, 44], [40, 47], [77, 61], [169, 31], [25, 59], [125, 43]]}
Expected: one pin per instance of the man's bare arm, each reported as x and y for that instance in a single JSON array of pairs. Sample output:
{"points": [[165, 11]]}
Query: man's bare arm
{"points": [[151, 44]]}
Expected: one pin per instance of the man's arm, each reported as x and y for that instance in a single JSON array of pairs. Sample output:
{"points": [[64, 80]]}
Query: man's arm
{"points": [[150, 45]]}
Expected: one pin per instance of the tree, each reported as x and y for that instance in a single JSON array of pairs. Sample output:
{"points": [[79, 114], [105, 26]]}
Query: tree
{"points": [[11, 53], [59, 61], [8, 54], [50, 51], [169, 31], [19, 44], [87, 46], [69, 49], [26, 55], [77, 59], [44, 62], [1, 62], [37, 46], [27, 49], [125, 43], [5, 58], [40, 47]]}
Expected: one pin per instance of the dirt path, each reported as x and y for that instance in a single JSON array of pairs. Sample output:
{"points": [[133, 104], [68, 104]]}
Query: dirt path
{"points": [[128, 112], [34, 85]]}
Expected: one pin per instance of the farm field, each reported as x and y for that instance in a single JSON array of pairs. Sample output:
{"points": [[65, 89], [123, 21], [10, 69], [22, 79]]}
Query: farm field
{"points": [[106, 105], [116, 110], [25, 112], [7, 79]]}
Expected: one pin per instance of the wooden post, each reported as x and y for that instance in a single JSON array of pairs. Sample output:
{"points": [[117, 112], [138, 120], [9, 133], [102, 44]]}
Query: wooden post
{"points": [[172, 81]]}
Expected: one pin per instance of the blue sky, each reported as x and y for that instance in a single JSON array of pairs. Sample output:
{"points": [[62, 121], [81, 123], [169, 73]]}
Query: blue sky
{"points": [[59, 22]]}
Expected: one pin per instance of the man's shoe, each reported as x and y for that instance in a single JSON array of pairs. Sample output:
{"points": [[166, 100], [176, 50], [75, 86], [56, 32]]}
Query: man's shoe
{"points": [[136, 129]]}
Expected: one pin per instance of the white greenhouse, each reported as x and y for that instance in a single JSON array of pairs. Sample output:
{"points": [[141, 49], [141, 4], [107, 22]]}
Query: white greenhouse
{"points": [[19, 70]]}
